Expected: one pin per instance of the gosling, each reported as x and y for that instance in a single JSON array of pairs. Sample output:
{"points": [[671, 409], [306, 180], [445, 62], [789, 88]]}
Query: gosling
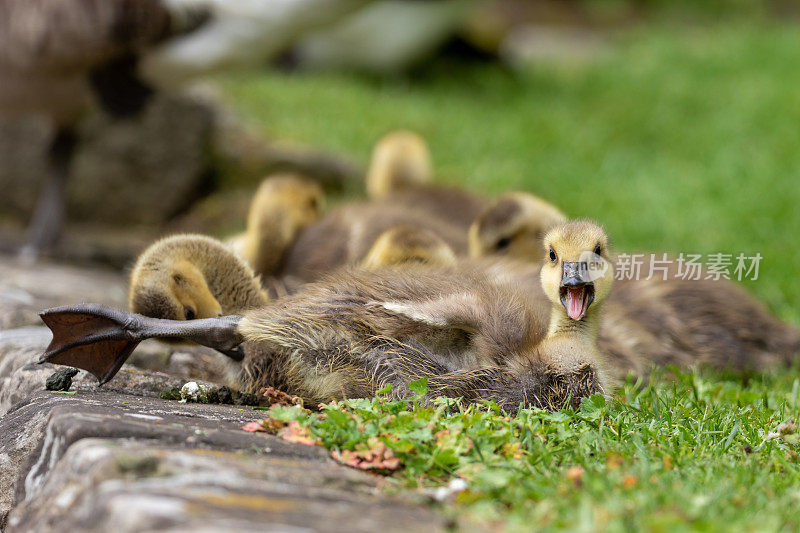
{"points": [[283, 206], [513, 226], [184, 277], [408, 244], [401, 174]]}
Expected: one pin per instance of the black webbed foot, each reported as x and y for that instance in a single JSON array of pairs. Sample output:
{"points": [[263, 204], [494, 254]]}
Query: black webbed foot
{"points": [[100, 339]]}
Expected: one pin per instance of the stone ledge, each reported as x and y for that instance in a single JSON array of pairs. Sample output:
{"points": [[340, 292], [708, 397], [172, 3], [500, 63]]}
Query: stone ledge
{"points": [[21, 375], [37, 431], [25, 291], [103, 485], [98, 460]]}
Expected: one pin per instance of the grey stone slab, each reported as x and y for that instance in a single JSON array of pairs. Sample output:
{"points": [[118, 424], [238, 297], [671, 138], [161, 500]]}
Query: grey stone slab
{"points": [[101, 460], [25, 290], [19, 349], [37, 431], [104, 485]]}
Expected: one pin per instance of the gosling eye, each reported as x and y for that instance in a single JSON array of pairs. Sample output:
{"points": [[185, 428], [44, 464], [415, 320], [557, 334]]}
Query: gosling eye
{"points": [[553, 256], [503, 243], [188, 312], [598, 250]]}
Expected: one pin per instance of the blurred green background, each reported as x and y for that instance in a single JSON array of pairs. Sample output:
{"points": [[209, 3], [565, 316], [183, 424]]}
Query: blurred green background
{"points": [[680, 132], [674, 123]]}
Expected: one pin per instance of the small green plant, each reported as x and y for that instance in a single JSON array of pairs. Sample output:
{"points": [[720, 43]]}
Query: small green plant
{"points": [[692, 452]]}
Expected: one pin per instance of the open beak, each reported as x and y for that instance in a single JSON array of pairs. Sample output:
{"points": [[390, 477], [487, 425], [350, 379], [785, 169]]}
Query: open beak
{"points": [[576, 291]]}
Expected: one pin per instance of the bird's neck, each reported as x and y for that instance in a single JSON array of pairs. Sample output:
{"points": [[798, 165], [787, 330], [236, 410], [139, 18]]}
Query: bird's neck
{"points": [[584, 329], [266, 244], [269, 236]]}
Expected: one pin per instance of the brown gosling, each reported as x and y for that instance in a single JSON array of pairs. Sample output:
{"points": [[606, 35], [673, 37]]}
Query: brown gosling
{"points": [[408, 244], [283, 206], [685, 322], [184, 277], [470, 333], [400, 174], [513, 226]]}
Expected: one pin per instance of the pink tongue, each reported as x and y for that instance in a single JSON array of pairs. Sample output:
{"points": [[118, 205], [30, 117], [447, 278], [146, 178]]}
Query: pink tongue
{"points": [[575, 303]]}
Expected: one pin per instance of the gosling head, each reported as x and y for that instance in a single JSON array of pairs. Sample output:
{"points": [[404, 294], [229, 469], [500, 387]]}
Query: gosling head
{"points": [[400, 159], [513, 226], [408, 244], [178, 293], [166, 281], [576, 273], [283, 205], [298, 200]]}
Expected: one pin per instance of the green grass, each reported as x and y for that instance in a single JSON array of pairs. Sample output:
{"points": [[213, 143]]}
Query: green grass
{"points": [[675, 140], [679, 140], [692, 454]]}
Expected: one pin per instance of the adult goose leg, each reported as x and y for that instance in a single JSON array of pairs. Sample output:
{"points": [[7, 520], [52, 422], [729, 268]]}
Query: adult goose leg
{"points": [[47, 223]]}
